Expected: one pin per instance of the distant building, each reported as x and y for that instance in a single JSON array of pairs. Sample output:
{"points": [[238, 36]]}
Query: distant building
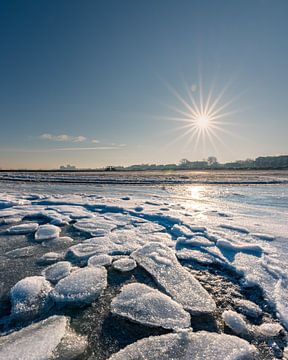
{"points": [[110, 168], [67, 167]]}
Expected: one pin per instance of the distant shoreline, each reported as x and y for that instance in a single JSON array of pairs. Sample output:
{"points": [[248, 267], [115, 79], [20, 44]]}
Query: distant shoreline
{"points": [[150, 177]]}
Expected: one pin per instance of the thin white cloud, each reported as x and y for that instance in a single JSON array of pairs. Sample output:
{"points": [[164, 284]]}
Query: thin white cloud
{"points": [[96, 148], [63, 138], [95, 141]]}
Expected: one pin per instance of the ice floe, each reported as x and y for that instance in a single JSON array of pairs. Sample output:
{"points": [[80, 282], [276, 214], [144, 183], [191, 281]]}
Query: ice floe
{"points": [[23, 228], [96, 226], [29, 297], [47, 232], [81, 287], [161, 262], [124, 264], [186, 345], [263, 236], [48, 339], [235, 228], [140, 303], [50, 258], [235, 322], [228, 245], [181, 230], [100, 260], [196, 241], [248, 308], [23, 252], [57, 271], [268, 330]]}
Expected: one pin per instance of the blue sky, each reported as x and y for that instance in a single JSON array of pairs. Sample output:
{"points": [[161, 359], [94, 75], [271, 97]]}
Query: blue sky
{"points": [[89, 82]]}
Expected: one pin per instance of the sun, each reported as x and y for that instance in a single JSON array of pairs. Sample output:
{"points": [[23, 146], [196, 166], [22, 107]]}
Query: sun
{"points": [[202, 121], [202, 117]]}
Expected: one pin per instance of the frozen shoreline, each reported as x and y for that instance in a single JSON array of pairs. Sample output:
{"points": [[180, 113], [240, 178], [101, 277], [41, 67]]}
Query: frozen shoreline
{"points": [[219, 235]]}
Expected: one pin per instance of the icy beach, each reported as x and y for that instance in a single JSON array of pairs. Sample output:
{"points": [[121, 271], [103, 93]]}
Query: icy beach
{"points": [[147, 267]]}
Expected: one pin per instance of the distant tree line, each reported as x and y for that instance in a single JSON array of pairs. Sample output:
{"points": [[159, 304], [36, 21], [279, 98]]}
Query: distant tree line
{"points": [[263, 162]]}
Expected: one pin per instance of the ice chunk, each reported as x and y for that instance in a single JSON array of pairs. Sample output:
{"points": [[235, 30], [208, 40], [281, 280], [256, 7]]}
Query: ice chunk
{"points": [[47, 232], [23, 228], [29, 297], [228, 245], [57, 271], [197, 228], [81, 287], [100, 260], [23, 252], [179, 283], [235, 322], [49, 258], [186, 345], [195, 241], [124, 264], [195, 255], [59, 241], [248, 308], [268, 330], [235, 228], [149, 227], [47, 339], [263, 236], [147, 306], [181, 230], [80, 253], [95, 226]]}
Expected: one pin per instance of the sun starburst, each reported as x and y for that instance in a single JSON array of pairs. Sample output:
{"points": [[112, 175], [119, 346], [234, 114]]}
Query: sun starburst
{"points": [[202, 117]]}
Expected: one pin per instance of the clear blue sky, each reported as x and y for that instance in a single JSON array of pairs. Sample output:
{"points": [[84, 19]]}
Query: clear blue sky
{"points": [[85, 82]]}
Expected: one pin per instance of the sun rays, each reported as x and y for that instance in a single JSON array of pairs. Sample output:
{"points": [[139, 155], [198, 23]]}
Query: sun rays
{"points": [[204, 119]]}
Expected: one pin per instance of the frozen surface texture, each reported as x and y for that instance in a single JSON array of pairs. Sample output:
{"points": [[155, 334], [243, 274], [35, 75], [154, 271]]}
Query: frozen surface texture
{"points": [[162, 264], [186, 345], [194, 247], [147, 306]]}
